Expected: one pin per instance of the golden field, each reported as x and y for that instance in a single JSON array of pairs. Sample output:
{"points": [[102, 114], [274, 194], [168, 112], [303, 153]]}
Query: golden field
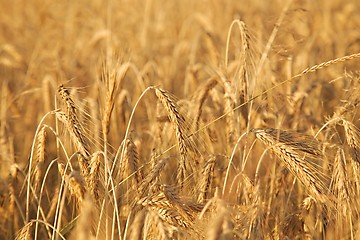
{"points": [[179, 119]]}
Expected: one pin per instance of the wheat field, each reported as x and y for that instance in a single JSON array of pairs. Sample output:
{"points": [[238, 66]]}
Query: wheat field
{"points": [[179, 119]]}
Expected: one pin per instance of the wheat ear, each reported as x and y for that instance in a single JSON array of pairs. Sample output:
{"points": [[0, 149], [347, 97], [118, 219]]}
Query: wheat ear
{"points": [[221, 224], [95, 178], [133, 161], [76, 186], [40, 157], [229, 104], [353, 140], [301, 157], [342, 188], [330, 62], [168, 206], [136, 228], [25, 233], [179, 124], [206, 180], [203, 94], [153, 176], [84, 228], [75, 129]]}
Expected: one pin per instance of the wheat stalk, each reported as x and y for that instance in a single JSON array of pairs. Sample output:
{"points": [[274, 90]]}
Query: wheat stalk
{"points": [[242, 65]]}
